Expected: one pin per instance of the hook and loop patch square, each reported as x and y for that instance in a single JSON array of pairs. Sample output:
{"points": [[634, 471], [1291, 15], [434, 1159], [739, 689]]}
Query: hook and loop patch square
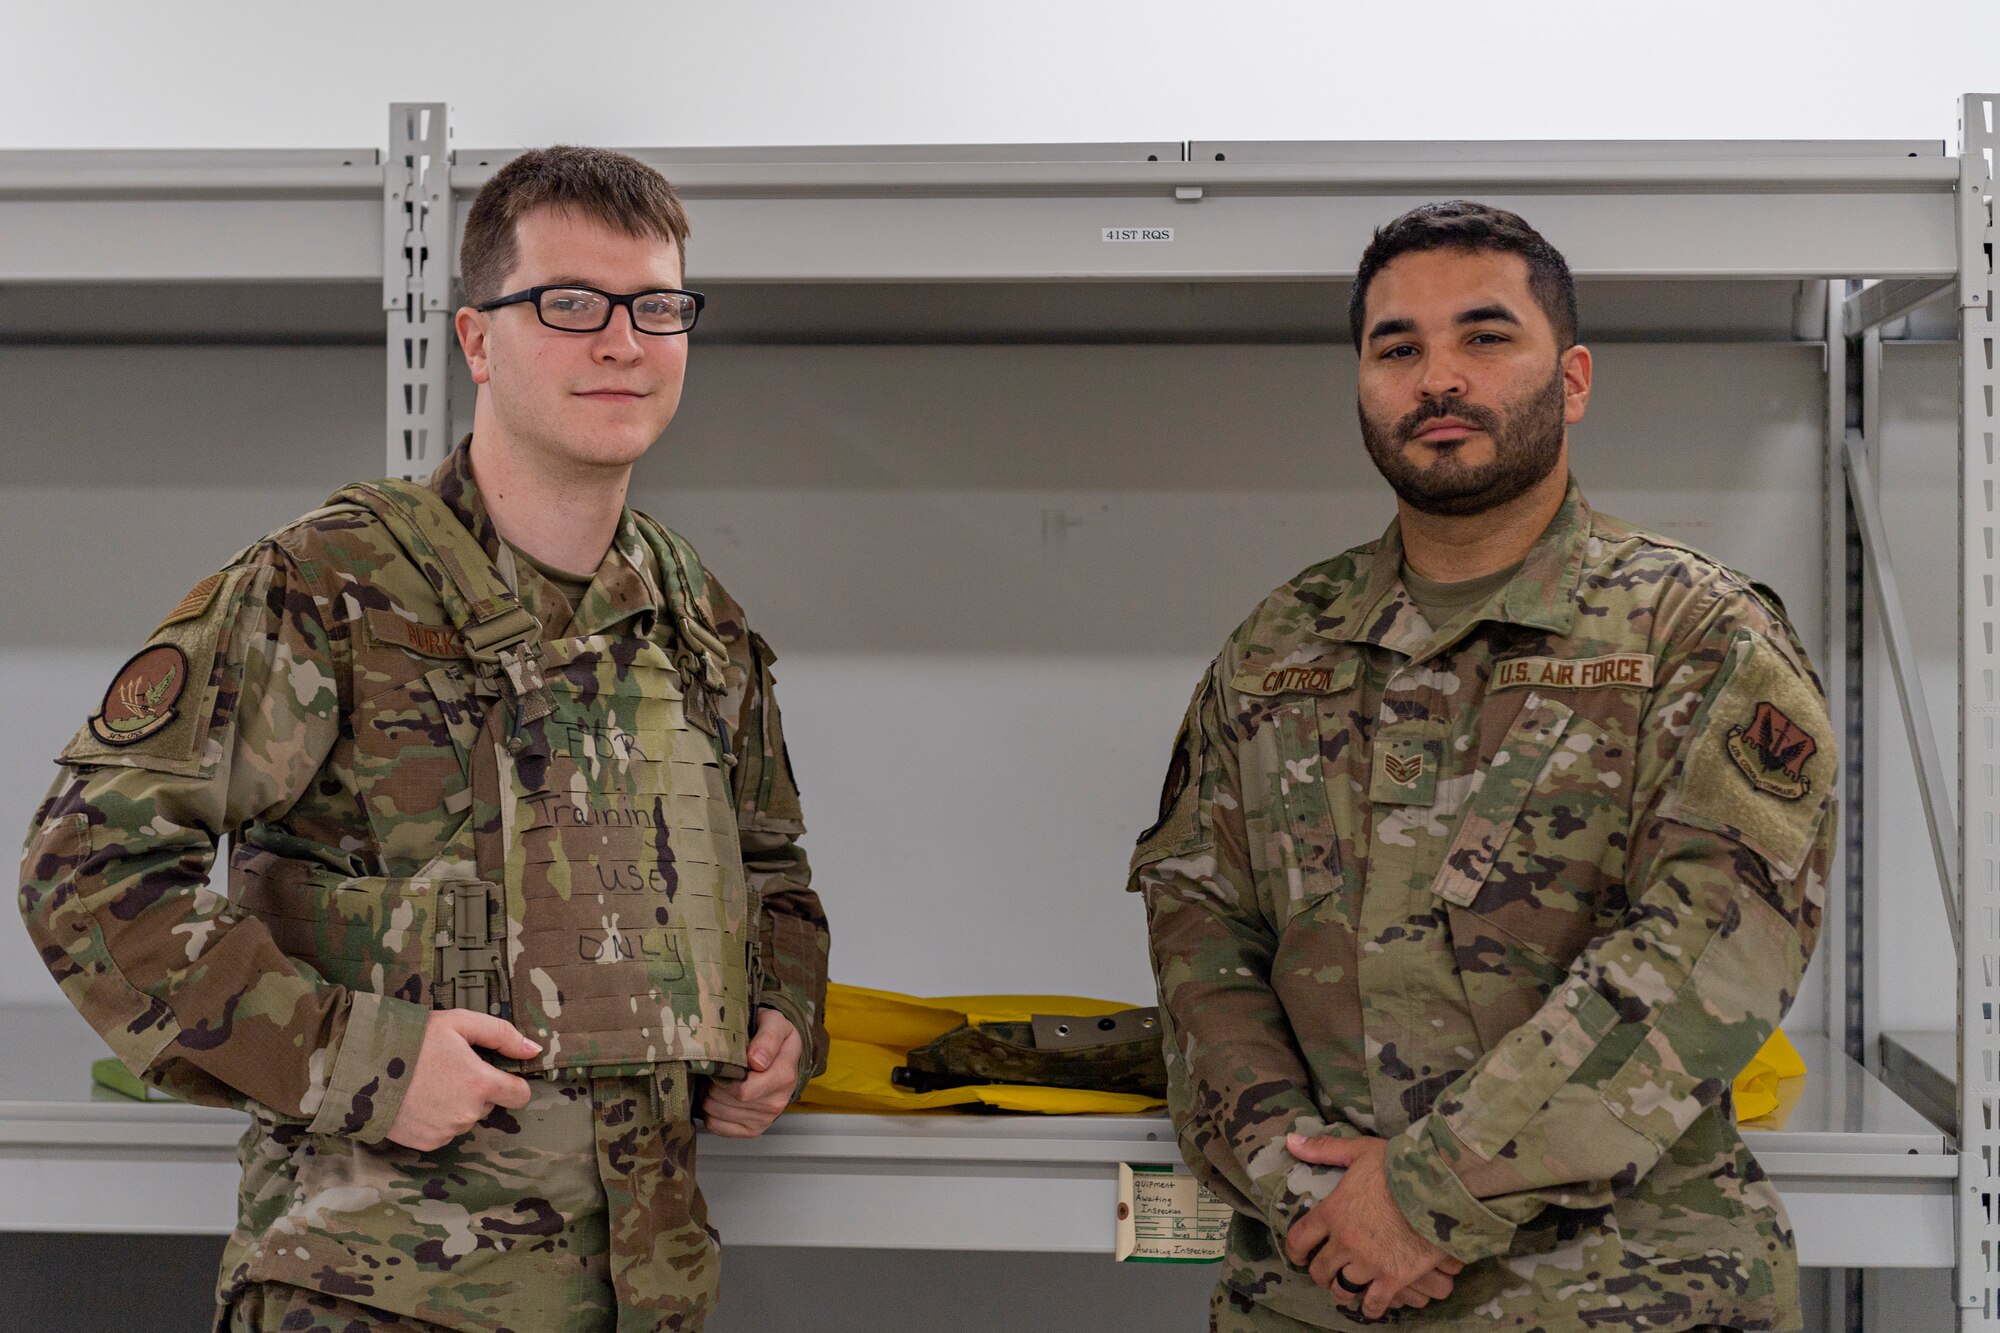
{"points": [[1761, 760], [157, 711]]}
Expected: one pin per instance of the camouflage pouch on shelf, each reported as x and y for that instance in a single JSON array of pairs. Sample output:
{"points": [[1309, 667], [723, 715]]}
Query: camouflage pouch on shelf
{"points": [[1117, 1052]]}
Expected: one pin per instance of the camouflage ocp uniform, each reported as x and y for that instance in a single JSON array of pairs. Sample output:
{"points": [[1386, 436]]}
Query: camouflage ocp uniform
{"points": [[1520, 895], [408, 813]]}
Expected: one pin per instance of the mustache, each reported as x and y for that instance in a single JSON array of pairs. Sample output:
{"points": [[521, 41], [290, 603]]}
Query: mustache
{"points": [[1437, 408]]}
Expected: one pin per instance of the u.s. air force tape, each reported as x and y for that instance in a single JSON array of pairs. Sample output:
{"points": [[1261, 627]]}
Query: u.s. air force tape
{"points": [[1629, 670]]}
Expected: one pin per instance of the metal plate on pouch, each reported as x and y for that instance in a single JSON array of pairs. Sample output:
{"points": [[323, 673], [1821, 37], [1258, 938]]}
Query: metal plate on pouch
{"points": [[1075, 1032]]}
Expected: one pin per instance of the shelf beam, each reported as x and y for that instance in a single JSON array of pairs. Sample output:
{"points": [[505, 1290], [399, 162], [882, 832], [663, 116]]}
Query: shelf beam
{"points": [[1878, 304], [698, 176]]}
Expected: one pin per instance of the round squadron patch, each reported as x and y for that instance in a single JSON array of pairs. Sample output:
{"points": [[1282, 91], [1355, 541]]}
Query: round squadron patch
{"points": [[142, 696], [1772, 752]]}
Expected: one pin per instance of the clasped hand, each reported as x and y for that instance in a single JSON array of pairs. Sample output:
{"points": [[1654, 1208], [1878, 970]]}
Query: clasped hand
{"points": [[1357, 1232]]}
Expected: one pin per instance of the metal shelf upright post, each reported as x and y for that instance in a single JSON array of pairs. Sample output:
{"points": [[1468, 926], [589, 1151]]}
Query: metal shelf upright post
{"points": [[419, 235], [1979, 716]]}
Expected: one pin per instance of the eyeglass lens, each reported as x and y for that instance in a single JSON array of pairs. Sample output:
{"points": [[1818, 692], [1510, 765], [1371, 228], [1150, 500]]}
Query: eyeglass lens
{"points": [[581, 310]]}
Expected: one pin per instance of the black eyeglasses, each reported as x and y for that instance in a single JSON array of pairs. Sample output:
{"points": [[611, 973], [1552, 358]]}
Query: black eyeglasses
{"points": [[661, 312]]}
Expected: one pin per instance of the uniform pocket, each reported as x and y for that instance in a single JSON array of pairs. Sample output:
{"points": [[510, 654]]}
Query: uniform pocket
{"points": [[373, 933], [1512, 933], [1509, 864], [1295, 840], [1539, 1060], [1502, 792], [413, 739]]}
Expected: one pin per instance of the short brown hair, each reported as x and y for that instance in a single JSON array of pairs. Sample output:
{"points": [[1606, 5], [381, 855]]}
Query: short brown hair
{"points": [[1460, 224], [613, 188]]}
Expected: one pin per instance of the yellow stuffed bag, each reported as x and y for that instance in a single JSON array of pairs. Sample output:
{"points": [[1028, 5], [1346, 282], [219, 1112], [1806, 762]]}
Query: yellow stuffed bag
{"points": [[871, 1032]]}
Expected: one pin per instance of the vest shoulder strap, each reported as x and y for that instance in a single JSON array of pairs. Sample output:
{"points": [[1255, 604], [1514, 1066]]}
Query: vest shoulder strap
{"points": [[684, 583], [482, 607]]}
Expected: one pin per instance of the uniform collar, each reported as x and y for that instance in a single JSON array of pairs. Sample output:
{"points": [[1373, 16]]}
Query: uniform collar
{"points": [[1378, 610], [454, 485], [625, 584]]}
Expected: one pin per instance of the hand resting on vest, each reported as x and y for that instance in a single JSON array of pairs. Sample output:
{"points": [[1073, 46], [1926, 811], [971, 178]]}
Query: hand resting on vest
{"points": [[453, 1088]]}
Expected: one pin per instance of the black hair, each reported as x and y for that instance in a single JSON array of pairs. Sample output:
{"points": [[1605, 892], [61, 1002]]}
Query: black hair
{"points": [[1460, 224]]}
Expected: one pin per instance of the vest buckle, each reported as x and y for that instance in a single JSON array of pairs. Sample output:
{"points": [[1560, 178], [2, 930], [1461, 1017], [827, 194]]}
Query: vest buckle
{"points": [[471, 974], [486, 640]]}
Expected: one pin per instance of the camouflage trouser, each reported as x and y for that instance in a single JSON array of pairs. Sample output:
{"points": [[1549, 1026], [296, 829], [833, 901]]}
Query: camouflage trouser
{"points": [[1229, 1311], [578, 1212]]}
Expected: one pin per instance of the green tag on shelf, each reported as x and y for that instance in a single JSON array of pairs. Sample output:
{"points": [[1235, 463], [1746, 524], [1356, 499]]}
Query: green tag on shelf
{"points": [[109, 1073]]}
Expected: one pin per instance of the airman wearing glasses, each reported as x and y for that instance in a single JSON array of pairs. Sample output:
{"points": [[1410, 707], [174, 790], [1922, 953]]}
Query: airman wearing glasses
{"points": [[515, 891]]}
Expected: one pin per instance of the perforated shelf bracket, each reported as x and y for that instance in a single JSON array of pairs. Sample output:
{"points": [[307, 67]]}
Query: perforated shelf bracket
{"points": [[418, 230], [1979, 725]]}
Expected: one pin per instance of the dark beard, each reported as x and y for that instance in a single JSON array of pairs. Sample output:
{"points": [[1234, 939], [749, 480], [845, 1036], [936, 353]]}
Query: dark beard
{"points": [[1527, 442]]}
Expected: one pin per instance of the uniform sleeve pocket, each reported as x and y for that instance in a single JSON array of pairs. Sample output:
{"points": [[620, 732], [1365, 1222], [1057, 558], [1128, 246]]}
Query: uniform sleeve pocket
{"points": [[1526, 1071], [768, 790], [1710, 1029]]}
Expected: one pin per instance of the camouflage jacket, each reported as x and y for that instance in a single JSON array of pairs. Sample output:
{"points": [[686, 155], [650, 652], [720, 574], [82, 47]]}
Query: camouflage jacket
{"points": [[1519, 895], [275, 736]]}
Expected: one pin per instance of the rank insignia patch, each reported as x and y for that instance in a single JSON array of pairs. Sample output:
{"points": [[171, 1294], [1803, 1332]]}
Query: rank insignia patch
{"points": [[1404, 770], [142, 696], [1772, 752]]}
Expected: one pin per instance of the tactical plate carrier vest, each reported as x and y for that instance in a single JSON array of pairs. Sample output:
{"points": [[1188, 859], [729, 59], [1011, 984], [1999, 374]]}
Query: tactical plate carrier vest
{"points": [[609, 919]]}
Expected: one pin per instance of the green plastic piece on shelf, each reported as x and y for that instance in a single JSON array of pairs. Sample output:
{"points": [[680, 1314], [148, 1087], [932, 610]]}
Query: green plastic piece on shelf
{"points": [[109, 1073]]}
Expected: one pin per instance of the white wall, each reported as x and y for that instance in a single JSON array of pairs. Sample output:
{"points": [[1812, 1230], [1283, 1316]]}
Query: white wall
{"points": [[237, 73]]}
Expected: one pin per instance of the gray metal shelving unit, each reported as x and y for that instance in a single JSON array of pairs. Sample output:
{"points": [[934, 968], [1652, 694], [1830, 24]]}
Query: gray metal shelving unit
{"points": [[1835, 242], [1867, 1180]]}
